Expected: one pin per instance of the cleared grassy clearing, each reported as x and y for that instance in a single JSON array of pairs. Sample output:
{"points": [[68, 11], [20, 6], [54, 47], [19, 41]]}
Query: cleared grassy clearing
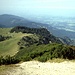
{"points": [[10, 47]]}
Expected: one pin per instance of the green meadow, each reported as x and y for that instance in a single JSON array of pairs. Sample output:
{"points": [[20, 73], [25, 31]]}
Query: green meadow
{"points": [[10, 46]]}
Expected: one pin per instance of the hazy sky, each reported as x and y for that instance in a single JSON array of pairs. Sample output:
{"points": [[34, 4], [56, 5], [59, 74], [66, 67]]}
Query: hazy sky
{"points": [[38, 7]]}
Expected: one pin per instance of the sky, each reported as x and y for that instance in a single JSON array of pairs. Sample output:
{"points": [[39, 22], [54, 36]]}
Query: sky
{"points": [[38, 7]]}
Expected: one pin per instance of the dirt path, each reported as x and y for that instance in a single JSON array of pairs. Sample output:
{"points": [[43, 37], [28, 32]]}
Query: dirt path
{"points": [[38, 68]]}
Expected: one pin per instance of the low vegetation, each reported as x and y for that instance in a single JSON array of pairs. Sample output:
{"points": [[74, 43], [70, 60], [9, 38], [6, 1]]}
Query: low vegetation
{"points": [[8, 60], [27, 41], [46, 52], [2, 38]]}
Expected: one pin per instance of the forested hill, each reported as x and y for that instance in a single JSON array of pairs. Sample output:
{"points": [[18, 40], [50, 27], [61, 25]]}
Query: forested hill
{"points": [[44, 33], [41, 31]]}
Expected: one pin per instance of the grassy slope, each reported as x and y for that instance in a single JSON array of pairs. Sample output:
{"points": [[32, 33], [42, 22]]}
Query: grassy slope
{"points": [[10, 47]]}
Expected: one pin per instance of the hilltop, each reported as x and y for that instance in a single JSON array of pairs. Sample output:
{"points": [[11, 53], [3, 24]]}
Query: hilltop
{"points": [[25, 44]]}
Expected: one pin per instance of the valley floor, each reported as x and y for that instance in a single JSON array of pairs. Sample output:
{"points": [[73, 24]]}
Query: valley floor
{"points": [[39, 68]]}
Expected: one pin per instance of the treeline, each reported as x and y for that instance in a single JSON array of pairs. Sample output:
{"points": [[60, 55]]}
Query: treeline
{"points": [[8, 60], [41, 31], [2, 38]]}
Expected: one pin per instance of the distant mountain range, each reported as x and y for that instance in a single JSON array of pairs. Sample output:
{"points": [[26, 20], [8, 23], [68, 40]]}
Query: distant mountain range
{"points": [[7, 20]]}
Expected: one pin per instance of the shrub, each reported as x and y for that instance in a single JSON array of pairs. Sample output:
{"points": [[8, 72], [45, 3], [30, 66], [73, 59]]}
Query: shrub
{"points": [[42, 59], [26, 58], [8, 60]]}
